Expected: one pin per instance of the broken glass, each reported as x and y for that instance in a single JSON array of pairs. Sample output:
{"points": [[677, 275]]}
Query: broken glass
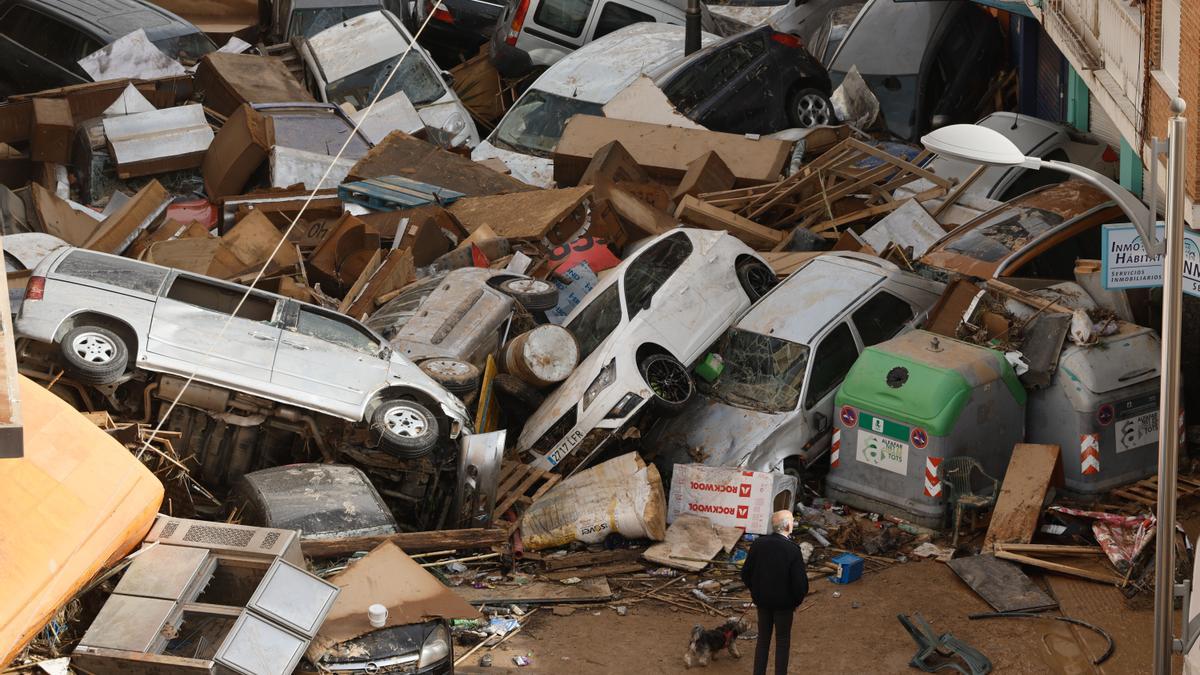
{"points": [[534, 125], [596, 321], [761, 371], [415, 78]]}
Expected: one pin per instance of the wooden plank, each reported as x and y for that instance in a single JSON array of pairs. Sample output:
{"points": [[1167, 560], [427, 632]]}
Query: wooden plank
{"points": [[410, 542], [505, 505], [513, 478], [611, 569], [1103, 577], [522, 215], [1019, 504], [587, 558], [538, 592], [899, 163], [551, 481], [1001, 584], [12, 434], [711, 217]]}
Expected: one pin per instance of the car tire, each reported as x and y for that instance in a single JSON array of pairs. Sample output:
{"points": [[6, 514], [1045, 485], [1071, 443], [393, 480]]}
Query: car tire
{"points": [[406, 428], [756, 278], [669, 381], [458, 377], [534, 295], [96, 355], [512, 388], [808, 108], [793, 466]]}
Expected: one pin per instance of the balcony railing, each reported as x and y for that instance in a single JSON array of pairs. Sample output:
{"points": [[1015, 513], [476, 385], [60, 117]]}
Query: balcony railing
{"points": [[1104, 36]]}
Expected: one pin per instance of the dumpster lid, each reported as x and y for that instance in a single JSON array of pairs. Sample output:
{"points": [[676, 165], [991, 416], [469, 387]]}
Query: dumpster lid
{"points": [[1126, 358], [913, 378]]}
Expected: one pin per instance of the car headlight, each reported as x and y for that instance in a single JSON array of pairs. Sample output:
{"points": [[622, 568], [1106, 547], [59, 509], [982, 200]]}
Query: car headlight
{"points": [[455, 123], [623, 407], [435, 648], [608, 374]]}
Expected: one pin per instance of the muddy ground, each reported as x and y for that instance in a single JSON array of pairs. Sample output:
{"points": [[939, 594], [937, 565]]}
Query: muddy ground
{"points": [[855, 633]]}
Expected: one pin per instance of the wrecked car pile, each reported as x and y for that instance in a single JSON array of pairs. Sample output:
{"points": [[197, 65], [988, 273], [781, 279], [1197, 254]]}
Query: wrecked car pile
{"points": [[392, 385]]}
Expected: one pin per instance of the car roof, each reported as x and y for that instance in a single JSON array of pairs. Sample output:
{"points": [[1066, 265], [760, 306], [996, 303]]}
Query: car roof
{"points": [[597, 71], [357, 43], [800, 307], [1033, 136], [113, 19]]}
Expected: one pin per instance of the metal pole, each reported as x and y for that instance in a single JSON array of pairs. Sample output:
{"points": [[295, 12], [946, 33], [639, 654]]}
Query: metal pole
{"points": [[1168, 394], [691, 28]]}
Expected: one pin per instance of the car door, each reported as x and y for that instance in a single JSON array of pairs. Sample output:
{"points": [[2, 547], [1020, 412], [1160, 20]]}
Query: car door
{"points": [[557, 26], [194, 329], [836, 351], [673, 307], [39, 52], [328, 360]]}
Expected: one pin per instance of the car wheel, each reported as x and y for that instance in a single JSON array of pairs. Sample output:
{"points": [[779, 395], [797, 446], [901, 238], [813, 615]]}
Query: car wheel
{"points": [[792, 466], [513, 389], [811, 108], [406, 428], [534, 294], [756, 278], [669, 380], [458, 377], [96, 355]]}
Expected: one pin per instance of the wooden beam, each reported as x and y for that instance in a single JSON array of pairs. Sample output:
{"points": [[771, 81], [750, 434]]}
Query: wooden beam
{"points": [[12, 443], [711, 217], [410, 542]]}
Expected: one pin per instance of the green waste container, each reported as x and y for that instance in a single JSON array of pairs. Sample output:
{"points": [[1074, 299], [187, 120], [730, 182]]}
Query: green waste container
{"points": [[911, 402]]}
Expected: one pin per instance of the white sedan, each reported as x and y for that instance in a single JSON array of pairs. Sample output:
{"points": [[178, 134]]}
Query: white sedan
{"points": [[650, 317]]}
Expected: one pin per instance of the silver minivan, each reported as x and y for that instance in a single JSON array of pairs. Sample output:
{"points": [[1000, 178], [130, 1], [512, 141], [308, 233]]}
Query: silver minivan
{"points": [[770, 408], [109, 315], [533, 34]]}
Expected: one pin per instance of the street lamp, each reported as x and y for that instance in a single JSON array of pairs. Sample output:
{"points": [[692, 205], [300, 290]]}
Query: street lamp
{"points": [[977, 144], [980, 145]]}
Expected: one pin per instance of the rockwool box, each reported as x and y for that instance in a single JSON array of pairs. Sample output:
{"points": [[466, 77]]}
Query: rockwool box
{"points": [[730, 496]]}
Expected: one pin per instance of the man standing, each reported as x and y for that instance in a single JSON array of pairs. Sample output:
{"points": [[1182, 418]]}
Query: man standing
{"points": [[778, 581]]}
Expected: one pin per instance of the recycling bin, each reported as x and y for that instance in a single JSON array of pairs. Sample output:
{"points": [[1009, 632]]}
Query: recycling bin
{"points": [[1101, 410], [908, 404]]}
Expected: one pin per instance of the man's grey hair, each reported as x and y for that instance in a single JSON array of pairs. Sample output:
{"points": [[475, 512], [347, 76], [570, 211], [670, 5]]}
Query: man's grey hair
{"points": [[781, 521]]}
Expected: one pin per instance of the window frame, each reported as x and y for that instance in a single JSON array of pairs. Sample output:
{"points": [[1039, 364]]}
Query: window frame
{"points": [[292, 325], [274, 320], [862, 307], [809, 397], [631, 310], [583, 24], [597, 32]]}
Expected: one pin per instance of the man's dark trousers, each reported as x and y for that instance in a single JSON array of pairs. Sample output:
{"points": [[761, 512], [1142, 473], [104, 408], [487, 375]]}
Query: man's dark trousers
{"points": [[781, 621]]}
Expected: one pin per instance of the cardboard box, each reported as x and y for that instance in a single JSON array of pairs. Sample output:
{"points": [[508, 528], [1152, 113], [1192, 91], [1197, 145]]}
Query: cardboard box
{"points": [[53, 128], [158, 141], [235, 154], [730, 496], [665, 152], [227, 81]]}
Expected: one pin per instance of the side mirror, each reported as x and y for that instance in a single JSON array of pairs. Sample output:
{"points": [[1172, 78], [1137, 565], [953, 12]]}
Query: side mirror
{"points": [[449, 78], [820, 421]]}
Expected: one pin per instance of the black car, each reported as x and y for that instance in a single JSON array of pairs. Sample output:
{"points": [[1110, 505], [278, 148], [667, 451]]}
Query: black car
{"points": [[41, 40], [937, 75], [760, 81], [469, 22]]}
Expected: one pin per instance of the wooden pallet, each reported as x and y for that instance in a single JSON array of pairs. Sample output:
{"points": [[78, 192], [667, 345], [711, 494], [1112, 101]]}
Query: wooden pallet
{"points": [[520, 485], [1145, 492]]}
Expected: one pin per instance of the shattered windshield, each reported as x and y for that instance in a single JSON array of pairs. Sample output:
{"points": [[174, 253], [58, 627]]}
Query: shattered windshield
{"points": [[416, 79], [534, 125], [1005, 233], [761, 372], [309, 22], [596, 321]]}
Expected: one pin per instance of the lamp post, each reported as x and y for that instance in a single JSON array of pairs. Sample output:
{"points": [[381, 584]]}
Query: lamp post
{"points": [[977, 144]]}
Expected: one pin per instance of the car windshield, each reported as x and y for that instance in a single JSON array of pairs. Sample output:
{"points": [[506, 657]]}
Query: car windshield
{"points": [[1004, 233], [309, 22], [761, 371], [187, 49], [415, 78], [596, 321], [534, 125]]}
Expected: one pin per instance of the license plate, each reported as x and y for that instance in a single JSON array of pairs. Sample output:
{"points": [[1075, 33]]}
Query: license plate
{"points": [[883, 452], [565, 447], [1136, 431]]}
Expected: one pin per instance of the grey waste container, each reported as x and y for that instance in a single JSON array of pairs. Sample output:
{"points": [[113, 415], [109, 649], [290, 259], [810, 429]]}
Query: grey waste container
{"points": [[909, 403], [1101, 409]]}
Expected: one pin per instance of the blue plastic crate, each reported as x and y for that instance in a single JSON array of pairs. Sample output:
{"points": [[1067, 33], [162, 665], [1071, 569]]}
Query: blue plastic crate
{"points": [[850, 568]]}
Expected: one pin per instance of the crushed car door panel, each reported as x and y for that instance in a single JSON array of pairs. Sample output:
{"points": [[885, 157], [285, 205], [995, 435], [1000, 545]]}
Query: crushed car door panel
{"points": [[189, 331], [328, 358]]}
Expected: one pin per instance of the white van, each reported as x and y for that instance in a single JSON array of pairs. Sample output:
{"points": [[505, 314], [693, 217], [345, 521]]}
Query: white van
{"points": [[532, 35]]}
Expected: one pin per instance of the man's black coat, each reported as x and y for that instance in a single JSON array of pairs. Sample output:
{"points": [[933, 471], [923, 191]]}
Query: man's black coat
{"points": [[775, 574]]}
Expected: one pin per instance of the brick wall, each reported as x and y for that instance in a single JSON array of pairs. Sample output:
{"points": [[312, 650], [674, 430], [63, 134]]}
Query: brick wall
{"points": [[1158, 102]]}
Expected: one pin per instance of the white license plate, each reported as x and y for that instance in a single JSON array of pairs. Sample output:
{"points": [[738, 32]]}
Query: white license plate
{"points": [[1134, 432]]}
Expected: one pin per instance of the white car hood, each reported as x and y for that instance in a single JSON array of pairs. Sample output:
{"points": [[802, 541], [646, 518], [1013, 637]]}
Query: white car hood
{"points": [[535, 171]]}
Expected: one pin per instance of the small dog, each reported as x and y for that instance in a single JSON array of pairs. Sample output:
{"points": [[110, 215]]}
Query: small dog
{"points": [[706, 643]]}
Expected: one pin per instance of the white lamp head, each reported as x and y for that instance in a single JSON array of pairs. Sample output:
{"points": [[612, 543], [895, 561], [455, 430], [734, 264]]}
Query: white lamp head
{"points": [[973, 143]]}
